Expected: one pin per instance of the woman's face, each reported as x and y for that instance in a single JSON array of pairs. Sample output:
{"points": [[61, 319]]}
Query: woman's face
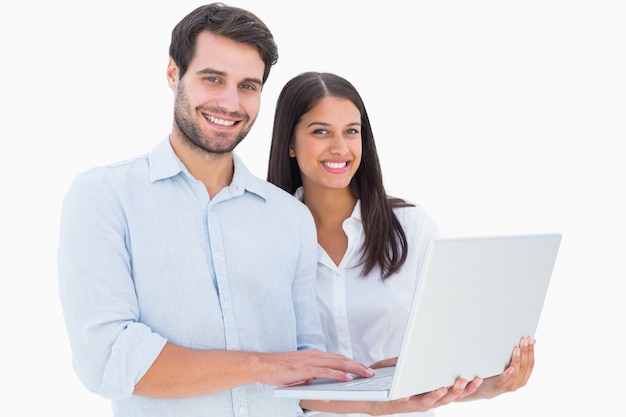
{"points": [[327, 143]]}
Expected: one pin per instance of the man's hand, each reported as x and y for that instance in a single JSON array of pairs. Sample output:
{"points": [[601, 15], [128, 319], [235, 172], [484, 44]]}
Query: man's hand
{"points": [[291, 368]]}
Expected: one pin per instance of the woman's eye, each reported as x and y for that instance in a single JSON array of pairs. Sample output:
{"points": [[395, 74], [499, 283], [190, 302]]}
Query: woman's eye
{"points": [[320, 131]]}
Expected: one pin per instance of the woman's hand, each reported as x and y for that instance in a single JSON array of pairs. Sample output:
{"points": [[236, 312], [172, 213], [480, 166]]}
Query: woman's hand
{"points": [[515, 376], [384, 363], [416, 403], [429, 400]]}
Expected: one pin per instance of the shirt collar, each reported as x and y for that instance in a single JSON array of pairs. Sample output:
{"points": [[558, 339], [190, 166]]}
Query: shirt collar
{"points": [[244, 180], [164, 163]]}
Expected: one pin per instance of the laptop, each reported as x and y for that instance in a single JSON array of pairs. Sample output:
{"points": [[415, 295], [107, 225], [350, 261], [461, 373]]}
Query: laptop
{"points": [[476, 298]]}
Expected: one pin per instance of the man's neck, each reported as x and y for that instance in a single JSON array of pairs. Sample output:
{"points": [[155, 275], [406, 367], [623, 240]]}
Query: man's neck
{"points": [[214, 170]]}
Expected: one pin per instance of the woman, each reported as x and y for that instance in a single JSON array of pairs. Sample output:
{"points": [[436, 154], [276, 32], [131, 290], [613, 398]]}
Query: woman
{"points": [[371, 244]]}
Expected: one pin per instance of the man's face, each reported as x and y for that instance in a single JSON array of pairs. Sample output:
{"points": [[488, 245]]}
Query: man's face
{"points": [[218, 98]]}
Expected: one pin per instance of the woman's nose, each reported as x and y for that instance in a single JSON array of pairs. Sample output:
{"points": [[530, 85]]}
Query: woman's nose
{"points": [[339, 146]]}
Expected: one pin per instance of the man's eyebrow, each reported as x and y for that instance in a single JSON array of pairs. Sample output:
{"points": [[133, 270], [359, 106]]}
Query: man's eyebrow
{"points": [[211, 71]]}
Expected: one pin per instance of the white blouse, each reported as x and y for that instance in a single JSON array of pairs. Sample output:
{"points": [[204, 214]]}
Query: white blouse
{"points": [[365, 317]]}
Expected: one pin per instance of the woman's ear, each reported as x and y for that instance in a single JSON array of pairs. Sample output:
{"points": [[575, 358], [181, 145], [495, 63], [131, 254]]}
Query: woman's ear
{"points": [[292, 152]]}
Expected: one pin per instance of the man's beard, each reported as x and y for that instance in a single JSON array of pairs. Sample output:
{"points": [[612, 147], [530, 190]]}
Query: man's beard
{"points": [[192, 133]]}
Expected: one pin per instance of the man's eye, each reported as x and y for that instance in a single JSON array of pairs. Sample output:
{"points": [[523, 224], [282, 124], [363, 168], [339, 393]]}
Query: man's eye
{"points": [[248, 86]]}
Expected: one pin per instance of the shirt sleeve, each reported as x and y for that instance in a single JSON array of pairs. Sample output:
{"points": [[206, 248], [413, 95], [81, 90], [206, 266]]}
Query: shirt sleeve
{"points": [[111, 349], [310, 335]]}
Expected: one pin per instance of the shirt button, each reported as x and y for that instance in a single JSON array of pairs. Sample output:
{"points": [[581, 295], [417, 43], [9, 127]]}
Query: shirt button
{"points": [[242, 410], [217, 255], [225, 306]]}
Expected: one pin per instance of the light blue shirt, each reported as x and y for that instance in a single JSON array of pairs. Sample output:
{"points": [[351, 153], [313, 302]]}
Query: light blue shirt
{"points": [[146, 257]]}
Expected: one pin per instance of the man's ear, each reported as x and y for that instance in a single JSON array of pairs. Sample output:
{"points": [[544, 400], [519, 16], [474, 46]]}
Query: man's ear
{"points": [[172, 74]]}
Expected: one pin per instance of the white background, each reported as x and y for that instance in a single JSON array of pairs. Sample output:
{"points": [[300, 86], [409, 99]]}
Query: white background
{"points": [[496, 116]]}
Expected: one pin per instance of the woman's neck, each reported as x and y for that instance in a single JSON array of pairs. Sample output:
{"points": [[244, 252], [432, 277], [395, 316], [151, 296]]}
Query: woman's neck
{"points": [[330, 207]]}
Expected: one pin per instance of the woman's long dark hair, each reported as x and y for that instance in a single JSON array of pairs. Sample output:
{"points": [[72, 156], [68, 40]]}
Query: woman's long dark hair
{"points": [[385, 240]]}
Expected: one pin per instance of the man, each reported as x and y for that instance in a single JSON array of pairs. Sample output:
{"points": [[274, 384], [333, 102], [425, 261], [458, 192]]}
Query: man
{"points": [[187, 284]]}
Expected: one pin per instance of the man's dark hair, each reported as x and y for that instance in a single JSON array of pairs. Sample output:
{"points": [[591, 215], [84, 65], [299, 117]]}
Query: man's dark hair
{"points": [[231, 22]]}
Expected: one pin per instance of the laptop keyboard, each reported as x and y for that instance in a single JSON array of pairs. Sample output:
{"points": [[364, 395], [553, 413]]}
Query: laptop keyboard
{"points": [[373, 382]]}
